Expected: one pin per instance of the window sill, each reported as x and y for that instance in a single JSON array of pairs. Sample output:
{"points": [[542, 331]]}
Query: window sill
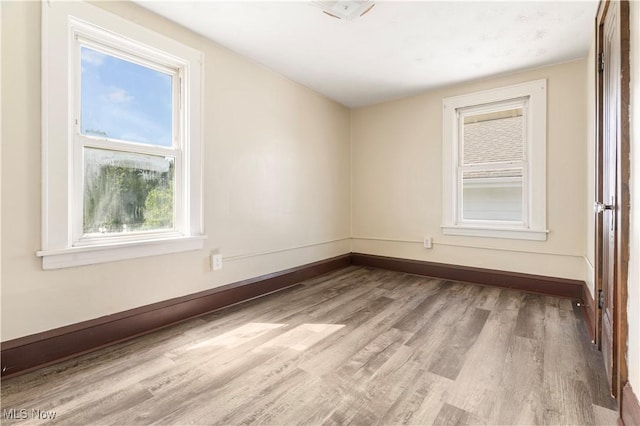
{"points": [[494, 232], [79, 256]]}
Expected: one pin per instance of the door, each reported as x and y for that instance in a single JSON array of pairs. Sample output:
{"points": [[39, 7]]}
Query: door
{"points": [[610, 67], [612, 224]]}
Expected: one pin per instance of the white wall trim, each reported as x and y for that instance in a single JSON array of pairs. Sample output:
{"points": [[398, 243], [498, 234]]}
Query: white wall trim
{"points": [[469, 246], [589, 275], [495, 232], [80, 256], [267, 252]]}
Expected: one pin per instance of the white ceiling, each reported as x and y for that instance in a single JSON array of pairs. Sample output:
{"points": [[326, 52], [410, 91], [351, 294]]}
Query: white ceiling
{"points": [[399, 48]]}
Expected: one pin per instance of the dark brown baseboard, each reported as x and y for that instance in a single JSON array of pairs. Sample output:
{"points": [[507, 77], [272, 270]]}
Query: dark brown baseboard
{"points": [[588, 310], [629, 407], [561, 287], [41, 349], [38, 350]]}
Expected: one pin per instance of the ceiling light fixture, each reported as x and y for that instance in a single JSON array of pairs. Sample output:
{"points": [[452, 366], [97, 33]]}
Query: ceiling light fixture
{"points": [[342, 9]]}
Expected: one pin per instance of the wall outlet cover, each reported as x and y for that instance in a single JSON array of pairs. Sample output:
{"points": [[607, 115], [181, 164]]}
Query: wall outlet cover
{"points": [[428, 243], [216, 261]]}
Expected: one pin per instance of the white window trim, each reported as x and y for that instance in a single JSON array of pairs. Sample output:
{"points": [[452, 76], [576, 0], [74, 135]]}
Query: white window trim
{"points": [[83, 34], [535, 208], [59, 22]]}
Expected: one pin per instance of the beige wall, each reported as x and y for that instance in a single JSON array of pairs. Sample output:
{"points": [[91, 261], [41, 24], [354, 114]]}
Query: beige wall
{"points": [[289, 177], [276, 179], [397, 180], [590, 194], [633, 311]]}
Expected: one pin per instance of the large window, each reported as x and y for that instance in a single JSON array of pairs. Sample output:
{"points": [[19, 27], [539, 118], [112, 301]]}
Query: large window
{"points": [[121, 151], [494, 163]]}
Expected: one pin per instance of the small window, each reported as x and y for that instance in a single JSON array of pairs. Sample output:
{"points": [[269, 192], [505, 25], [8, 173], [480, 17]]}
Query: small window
{"points": [[494, 148], [121, 139]]}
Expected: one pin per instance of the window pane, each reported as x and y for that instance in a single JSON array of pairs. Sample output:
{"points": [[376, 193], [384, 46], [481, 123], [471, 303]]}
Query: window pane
{"points": [[492, 195], [493, 137], [123, 100], [126, 192]]}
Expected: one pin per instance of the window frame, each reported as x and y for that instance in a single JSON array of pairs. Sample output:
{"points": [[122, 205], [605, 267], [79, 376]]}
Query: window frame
{"points": [[94, 39], [532, 97], [464, 112], [67, 26]]}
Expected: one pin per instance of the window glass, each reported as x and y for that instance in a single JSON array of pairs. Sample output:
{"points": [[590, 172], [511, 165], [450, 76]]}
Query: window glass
{"points": [[493, 137], [492, 146], [124, 100], [127, 192], [492, 195]]}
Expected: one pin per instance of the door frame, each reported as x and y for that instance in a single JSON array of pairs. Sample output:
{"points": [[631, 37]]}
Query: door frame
{"points": [[622, 208]]}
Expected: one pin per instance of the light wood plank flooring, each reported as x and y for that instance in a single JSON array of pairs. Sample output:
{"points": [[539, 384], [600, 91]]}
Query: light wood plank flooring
{"points": [[357, 346]]}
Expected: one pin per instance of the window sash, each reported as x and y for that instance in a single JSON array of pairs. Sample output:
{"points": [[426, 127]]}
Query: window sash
{"points": [[79, 238], [139, 55], [462, 167], [510, 165], [176, 71], [498, 106]]}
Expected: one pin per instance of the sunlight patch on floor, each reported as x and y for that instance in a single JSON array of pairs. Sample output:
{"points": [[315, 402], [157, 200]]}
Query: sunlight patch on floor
{"points": [[302, 337], [238, 336]]}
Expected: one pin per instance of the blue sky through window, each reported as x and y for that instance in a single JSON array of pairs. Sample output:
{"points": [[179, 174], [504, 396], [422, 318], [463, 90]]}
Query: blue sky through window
{"points": [[123, 100]]}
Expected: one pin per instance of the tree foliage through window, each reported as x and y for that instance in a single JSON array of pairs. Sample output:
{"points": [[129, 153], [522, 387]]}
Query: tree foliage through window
{"points": [[127, 192]]}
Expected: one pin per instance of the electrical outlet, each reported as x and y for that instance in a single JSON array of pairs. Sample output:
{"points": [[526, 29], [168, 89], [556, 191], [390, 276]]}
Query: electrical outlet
{"points": [[216, 262], [428, 242]]}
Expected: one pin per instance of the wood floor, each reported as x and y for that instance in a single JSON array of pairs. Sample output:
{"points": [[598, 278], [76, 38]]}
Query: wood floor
{"points": [[357, 346]]}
